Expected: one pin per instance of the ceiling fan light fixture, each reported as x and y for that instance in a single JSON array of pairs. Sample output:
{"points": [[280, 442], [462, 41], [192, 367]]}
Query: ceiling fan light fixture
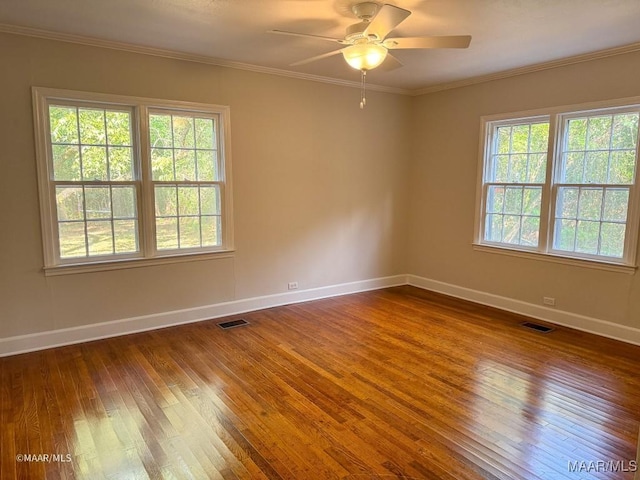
{"points": [[365, 56]]}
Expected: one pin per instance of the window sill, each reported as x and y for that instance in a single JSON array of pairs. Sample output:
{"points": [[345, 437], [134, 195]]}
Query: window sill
{"points": [[548, 257], [70, 269]]}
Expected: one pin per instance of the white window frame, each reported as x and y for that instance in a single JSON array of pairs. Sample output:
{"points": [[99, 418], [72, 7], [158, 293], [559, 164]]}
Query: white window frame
{"points": [[139, 107], [545, 251]]}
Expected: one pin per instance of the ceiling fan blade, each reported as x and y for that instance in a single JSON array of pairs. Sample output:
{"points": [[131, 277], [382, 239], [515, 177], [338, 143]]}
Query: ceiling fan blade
{"points": [[317, 57], [305, 35], [388, 18], [390, 63], [448, 41]]}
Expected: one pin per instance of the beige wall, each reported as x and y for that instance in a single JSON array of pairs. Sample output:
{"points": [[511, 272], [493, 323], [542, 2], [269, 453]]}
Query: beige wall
{"points": [[324, 193], [319, 187], [446, 130]]}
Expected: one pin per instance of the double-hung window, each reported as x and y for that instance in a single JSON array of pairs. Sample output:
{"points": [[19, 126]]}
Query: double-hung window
{"points": [[515, 177], [562, 183], [130, 181]]}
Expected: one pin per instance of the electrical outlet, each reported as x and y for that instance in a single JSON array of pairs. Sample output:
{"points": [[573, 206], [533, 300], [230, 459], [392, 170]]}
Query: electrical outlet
{"points": [[549, 301], [293, 285]]}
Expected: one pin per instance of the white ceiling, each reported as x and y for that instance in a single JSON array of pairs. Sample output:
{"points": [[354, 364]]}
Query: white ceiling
{"points": [[506, 34]]}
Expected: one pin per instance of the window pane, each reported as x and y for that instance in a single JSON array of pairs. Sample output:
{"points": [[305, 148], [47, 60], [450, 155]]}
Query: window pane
{"points": [[162, 165], [493, 227], [573, 168], [188, 201], [539, 140], [615, 205], [209, 201], [121, 163], [537, 168], [513, 200], [205, 135], [501, 168], [185, 165], [567, 202], [66, 162], [599, 133], [531, 201], [577, 135], [126, 236], [596, 167], [530, 229], [166, 201], [211, 231], [160, 133], [587, 235], [612, 240], [622, 168], [72, 240], [518, 168], [124, 202], [495, 199], [100, 237], [167, 233], [565, 235], [97, 202], [625, 131], [511, 229], [504, 140], [94, 163], [119, 128], [69, 202], [63, 122], [92, 127], [207, 165], [183, 132], [520, 139], [590, 204], [189, 232]]}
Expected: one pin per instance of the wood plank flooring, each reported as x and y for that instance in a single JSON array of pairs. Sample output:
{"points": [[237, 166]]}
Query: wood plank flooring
{"points": [[395, 383]]}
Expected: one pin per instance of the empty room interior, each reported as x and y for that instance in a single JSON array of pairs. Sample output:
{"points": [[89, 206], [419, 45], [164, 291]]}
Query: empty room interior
{"points": [[323, 239]]}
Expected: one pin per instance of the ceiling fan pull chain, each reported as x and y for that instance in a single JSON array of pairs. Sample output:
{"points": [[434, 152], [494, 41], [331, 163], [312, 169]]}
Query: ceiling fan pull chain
{"points": [[363, 98]]}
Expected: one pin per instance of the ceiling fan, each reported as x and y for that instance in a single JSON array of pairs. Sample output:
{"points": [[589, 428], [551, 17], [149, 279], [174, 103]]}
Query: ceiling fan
{"points": [[366, 42]]}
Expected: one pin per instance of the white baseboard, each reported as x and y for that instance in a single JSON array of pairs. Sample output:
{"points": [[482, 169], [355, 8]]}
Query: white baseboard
{"points": [[552, 315], [85, 333]]}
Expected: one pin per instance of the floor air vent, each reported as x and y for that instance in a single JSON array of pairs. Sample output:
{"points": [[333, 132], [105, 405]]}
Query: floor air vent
{"points": [[537, 327], [233, 324]]}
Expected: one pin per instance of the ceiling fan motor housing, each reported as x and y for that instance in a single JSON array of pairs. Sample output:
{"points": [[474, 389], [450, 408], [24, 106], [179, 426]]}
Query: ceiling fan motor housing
{"points": [[365, 11]]}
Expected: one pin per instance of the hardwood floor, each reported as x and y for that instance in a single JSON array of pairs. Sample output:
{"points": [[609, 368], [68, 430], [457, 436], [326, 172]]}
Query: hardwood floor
{"points": [[396, 383]]}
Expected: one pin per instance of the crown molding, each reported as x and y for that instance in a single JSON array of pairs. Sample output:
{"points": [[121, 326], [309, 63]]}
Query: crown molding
{"points": [[538, 67], [176, 55]]}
